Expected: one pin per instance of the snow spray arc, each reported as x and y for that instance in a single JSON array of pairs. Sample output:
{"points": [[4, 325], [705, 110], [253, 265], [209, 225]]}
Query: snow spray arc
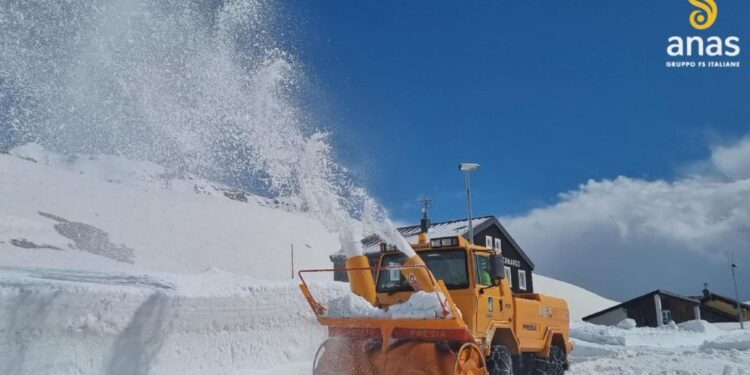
{"points": [[200, 87]]}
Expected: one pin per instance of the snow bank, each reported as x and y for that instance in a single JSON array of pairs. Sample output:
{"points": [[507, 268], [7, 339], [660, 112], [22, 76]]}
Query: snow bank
{"points": [[695, 347], [596, 334], [736, 341], [626, 324], [691, 333], [64, 322], [700, 326]]}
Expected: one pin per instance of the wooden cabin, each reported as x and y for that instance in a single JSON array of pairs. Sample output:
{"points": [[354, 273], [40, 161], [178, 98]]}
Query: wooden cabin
{"points": [[487, 232]]}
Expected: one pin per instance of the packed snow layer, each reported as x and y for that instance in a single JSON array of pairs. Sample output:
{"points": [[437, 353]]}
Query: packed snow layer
{"points": [[420, 305], [65, 322], [352, 306]]}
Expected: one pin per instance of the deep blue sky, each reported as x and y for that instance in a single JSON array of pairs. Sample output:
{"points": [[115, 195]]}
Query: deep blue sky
{"points": [[544, 94]]}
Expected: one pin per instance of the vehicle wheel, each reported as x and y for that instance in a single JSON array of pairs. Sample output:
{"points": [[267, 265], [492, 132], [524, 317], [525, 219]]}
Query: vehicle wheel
{"points": [[469, 361], [316, 360], [500, 361], [555, 364]]}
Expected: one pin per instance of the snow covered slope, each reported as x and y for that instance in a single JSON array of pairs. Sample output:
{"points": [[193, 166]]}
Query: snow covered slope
{"points": [[87, 212], [581, 302], [107, 213]]}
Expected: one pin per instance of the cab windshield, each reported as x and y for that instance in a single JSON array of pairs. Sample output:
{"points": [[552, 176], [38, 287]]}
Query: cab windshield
{"points": [[446, 265]]}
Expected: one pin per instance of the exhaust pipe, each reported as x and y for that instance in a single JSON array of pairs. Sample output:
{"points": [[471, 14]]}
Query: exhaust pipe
{"points": [[424, 224], [361, 282]]}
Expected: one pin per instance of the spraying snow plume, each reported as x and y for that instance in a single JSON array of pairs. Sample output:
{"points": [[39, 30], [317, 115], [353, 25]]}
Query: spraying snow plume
{"points": [[198, 87], [327, 190], [193, 87]]}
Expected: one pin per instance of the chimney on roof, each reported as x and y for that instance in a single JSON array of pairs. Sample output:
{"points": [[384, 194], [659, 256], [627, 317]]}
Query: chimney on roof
{"points": [[706, 292], [424, 224]]}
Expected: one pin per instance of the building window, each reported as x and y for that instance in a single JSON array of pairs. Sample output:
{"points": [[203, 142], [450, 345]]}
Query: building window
{"points": [[666, 316], [394, 274], [508, 275], [488, 241], [522, 279], [498, 244]]}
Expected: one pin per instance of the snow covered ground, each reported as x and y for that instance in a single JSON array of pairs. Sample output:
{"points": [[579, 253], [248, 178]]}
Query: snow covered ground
{"points": [[694, 347], [109, 266]]}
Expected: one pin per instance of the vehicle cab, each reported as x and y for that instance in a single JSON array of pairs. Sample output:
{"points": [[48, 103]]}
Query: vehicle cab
{"points": [[473, 275]]}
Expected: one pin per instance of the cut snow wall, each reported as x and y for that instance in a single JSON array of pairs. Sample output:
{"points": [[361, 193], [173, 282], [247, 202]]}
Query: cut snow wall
{"points": [[116, 325]]}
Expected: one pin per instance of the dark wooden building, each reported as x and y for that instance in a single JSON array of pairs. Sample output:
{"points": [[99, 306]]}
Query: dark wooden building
{"points": [[650, 310], [717, 308], [487, 232]]}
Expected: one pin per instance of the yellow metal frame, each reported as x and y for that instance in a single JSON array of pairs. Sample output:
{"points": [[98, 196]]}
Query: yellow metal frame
{"points": [[453, 321]]}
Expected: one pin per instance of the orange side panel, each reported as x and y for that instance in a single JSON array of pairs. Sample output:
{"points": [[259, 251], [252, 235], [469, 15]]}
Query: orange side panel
{"points": [[355, 357]]}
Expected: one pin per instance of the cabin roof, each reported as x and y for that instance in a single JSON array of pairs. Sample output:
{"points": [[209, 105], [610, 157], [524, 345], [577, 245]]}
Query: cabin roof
{"points": [[460, 227], [713, 296]]}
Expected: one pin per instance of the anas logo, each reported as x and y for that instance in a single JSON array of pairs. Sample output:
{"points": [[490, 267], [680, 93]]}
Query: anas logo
{"points": [[693, 49], [705, 16]]}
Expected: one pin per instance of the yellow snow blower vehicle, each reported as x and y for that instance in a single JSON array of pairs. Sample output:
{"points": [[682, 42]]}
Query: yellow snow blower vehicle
{"points": [[478, 326]]}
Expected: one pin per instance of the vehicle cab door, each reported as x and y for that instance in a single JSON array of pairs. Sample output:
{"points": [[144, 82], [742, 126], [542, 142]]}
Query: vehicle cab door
{"points": [[489, 295]]}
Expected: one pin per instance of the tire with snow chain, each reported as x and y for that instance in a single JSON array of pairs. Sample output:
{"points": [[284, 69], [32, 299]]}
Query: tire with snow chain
{"points": [[555, 364], [500, 361]]}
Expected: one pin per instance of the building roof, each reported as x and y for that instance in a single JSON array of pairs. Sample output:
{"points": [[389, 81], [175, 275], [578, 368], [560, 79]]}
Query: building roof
{"points": [[714, 296], [718, 312], [647, 295], [450, 228]]}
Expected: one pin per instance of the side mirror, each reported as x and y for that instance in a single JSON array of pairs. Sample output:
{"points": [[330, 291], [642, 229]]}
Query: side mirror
{"points": [[497, 266]]}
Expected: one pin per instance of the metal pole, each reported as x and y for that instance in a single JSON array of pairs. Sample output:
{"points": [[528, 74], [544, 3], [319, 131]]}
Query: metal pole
{"points": [[292, 246], [468, 198], [740, 317]]}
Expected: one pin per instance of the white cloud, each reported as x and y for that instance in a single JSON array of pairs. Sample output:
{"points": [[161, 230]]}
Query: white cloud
{"points": [[627, 236], [733, 161]]}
